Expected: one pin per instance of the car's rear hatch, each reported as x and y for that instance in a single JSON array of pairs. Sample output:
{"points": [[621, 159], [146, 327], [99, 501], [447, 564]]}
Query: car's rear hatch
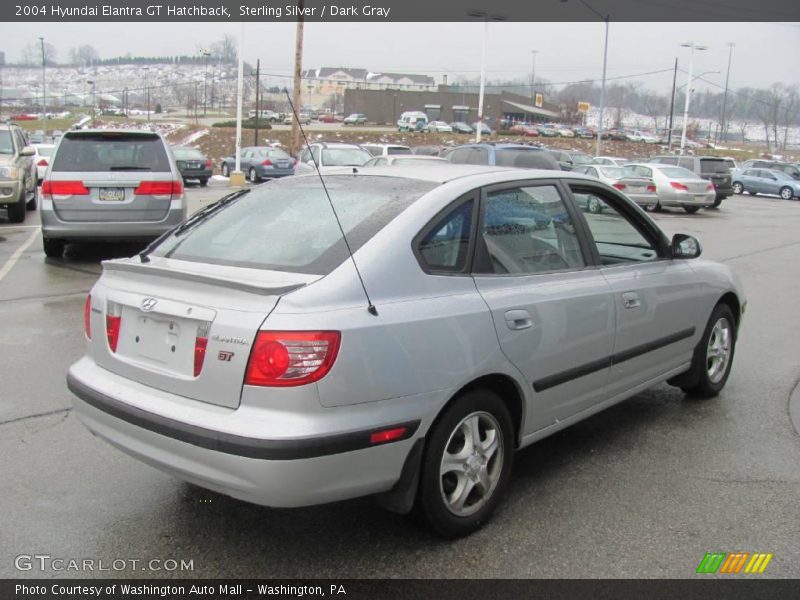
{"points": [[112, 176], [717, 172], [183, 327]]}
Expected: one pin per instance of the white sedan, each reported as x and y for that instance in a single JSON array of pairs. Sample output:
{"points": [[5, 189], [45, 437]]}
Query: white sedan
{"points": [[41, 159], [439, 127]]}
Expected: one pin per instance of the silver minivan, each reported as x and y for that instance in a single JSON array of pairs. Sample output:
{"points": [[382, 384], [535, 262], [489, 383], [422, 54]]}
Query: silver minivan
{"points": [[109, 185]]}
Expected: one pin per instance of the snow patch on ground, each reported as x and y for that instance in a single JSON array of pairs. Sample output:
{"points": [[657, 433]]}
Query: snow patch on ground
{"points": [[193, 137]]}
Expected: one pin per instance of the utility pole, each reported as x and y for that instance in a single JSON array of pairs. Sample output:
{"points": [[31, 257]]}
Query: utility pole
{"points": [[206, 53], [44, 95], [258, 108], [533, 72], [294, 147], [692, 47], [723, 122], [672, 107]]}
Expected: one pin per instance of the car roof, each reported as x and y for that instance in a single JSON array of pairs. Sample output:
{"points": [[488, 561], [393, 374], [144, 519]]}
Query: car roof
{"points": [[440, 172], [111, 132]]}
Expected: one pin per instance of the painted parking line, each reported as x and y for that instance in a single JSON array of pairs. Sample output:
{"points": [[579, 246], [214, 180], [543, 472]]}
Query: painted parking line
{"points": [[15, 227], [15, 257]]}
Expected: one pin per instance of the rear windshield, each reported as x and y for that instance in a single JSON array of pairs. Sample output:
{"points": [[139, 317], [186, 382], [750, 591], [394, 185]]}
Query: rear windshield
{"points": [[678, 172], [344, 157], [582, 159], [288, 225], [713, 165], [398, 150], [613, 172], [111, 152], [274, 154], [45, 150], [525, 159], [187, 154]]}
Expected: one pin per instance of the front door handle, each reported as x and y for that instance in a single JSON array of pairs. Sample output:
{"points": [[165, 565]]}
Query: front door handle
{"points": [[631, 300], [518, 319]]}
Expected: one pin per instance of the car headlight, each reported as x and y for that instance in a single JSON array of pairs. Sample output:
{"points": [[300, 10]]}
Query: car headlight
{"points": [[9, 172]]}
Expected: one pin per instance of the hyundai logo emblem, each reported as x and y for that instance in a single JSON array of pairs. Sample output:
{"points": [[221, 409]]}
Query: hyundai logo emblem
{"points": [[148, 304]]}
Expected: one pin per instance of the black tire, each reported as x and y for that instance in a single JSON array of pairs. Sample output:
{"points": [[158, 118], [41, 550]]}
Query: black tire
{"points": [[483, 412], [53, 248], [786, 193], [252, 175], [738, 188], [691, 209], [698, 382], [226, 170], [717, 201], [31, 205], [16, 211], [203, 181]]}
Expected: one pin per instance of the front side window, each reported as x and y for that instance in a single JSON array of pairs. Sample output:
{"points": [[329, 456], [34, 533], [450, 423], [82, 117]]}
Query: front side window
{"points": [[446, 246], [617, 239], [527, 230]]}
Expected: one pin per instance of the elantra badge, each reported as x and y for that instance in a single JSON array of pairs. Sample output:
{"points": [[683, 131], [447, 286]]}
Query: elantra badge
{"points": [[148, 304]]}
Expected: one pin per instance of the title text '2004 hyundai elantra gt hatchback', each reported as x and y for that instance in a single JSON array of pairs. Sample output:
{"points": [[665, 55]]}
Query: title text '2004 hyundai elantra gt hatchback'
{"points": [[240, 352]]}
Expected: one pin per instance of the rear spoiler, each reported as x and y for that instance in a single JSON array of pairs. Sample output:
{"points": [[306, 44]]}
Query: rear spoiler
{"points": [[264, 289]]}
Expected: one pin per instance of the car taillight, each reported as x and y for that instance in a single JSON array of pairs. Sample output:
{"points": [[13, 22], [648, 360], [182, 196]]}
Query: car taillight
{"points": [[678, 186], [296, 160], [87, 316], [113, 323], [42, 162], [159, 188], [651, 188], [289, 358], [63, 188], [710, 187], [619, 186], [209, 164], [200, 344], [267, 162]]}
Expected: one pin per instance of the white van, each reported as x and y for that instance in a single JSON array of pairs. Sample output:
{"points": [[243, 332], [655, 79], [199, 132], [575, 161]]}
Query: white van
{"points": [[408, 120]]}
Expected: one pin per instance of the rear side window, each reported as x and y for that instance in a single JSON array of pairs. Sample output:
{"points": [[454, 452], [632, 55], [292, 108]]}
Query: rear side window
{"points": [[446, 246], [397, 150], [713, 165], [288, 225], [111, 152]]}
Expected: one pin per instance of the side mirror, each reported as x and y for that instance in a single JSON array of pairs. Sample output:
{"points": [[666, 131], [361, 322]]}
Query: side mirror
{"points": [[685, 246], [28, 151]]}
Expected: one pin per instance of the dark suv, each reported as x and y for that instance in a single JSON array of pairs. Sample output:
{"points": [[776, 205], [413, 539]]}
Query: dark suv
{"points": [[502, 155], [711, 168]]}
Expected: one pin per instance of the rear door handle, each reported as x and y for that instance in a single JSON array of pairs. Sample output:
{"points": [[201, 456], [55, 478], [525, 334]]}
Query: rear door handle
{"points": [[518, 319], [630, 300]]}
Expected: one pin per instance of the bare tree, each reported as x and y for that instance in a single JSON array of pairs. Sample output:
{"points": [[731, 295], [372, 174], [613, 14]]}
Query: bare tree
{"points": [[226, 49], [790, 101], [84, 55]]}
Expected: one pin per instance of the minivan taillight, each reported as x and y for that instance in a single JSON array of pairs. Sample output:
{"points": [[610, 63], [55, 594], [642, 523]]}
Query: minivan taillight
{"points": [[63, 188], [113, 323], [289, 358], [208, 163], [42, 162], [159, 188], [87, 316]]}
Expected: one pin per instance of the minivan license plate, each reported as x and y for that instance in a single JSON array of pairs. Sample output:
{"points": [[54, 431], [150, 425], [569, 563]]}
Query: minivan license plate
{"points": [[112, 194]]}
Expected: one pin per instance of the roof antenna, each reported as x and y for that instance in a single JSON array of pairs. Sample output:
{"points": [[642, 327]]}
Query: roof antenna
{"points": [[370, 306]]}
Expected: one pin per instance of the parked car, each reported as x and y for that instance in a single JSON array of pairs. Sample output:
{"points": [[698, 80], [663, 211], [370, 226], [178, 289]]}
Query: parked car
{"points": [[565, 132], [711, 168], [676, 186], [260, 162], [790, 169], [637, 135], [461, 127], [403, 159], [613, 161], [765, 181], [641, 190], [428, 150], [619, 135], [731, 162], [548, 130], [37, 137], [485, 129], [327, 118], [239, 352], [585, 133], [107, 185], [331, 156], [304, 119], [439, 127], [412, 120], [386, 149], [579, 158], [526, 129], [355, 119], [502, 155], [193, 164], [41, 159], [57, 135], [17, 173], [563, 159]]}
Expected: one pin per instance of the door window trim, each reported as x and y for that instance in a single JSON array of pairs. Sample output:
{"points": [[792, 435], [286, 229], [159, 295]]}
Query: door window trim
{"points": [[435, 221]]}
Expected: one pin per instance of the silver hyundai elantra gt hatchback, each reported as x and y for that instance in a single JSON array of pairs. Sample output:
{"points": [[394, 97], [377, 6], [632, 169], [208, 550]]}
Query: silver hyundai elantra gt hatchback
{"points": [[481, 310]]}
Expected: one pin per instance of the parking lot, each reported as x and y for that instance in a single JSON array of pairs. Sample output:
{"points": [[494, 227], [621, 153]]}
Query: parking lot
{"points": [[644, 489]]}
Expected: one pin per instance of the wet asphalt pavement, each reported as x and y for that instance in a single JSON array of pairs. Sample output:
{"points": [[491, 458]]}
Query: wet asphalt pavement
{"points": [[644, 489]]}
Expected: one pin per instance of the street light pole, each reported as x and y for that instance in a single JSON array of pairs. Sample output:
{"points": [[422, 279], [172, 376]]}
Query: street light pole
{"points": [[206, 53], [91, 83], [146, 94], [533, 71], [692, 46], [723, 124], [44, 95], [483, 82]]}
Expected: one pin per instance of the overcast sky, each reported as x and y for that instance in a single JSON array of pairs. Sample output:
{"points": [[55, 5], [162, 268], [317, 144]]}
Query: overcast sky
{"points": [[765, 53]]}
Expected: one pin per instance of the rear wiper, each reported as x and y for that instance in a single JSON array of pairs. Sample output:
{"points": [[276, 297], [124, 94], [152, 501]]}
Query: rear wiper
{"points": [[130, 168], [200, 215]]}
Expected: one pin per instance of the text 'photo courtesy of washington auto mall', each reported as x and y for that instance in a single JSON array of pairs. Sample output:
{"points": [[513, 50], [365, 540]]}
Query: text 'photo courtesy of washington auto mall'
{"points": [[437, 301]]}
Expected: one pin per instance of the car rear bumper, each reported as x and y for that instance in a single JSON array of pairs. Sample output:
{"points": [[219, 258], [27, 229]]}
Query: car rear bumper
{"points": [[56, 228], [196, 173], [644, 199], [683, 199], [207, 444], [268, 173]]}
